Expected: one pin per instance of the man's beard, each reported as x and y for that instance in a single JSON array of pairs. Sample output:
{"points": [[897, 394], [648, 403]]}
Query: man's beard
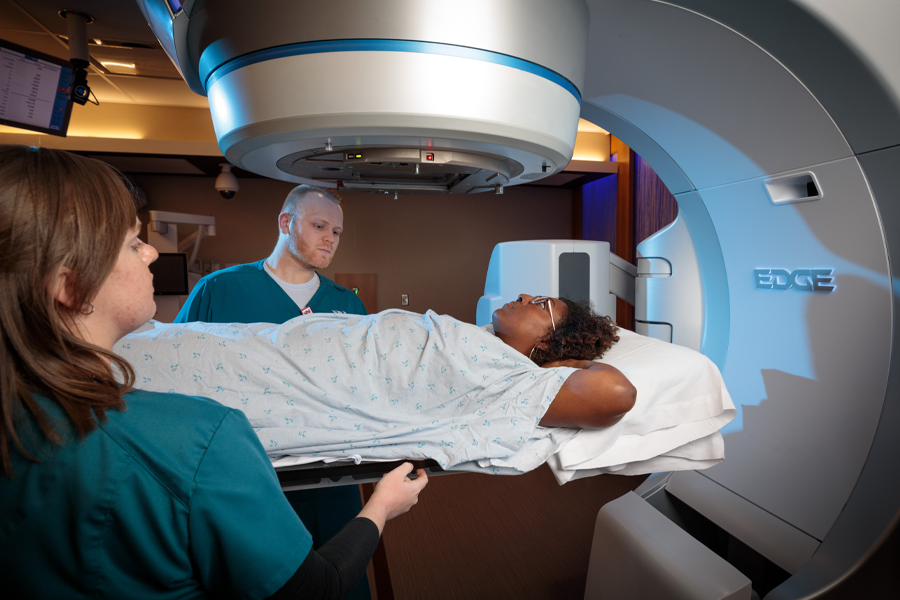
{"points": [[308, 254]]}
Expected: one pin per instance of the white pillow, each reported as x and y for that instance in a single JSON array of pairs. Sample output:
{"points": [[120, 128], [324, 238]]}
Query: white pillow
{"points": [[681, 399]]}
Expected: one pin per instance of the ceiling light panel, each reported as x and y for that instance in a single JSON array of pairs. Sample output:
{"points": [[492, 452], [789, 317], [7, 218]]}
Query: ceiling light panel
{"points": [[147, 62], [118, 68]]}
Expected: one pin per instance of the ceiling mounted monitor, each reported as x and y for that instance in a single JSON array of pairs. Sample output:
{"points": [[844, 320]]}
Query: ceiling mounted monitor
{"points": [[34, 90], [490, 89]]}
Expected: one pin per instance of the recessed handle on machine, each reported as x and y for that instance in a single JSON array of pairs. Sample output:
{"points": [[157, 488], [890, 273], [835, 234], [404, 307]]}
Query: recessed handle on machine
{"points": [[653, 267], [799, 187]]}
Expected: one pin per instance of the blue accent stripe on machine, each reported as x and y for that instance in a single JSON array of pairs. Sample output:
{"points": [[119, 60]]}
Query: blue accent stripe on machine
{"points": [[211, 74]]}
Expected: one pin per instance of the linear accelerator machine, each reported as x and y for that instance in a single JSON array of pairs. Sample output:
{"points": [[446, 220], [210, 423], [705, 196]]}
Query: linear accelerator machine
{"points": [[776, 124]]}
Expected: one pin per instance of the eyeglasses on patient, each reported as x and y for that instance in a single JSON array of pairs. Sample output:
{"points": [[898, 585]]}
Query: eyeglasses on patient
{"points": [[545, 304]]}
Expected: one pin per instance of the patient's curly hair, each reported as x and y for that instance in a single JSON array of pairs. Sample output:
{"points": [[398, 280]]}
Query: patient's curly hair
{"points": [[582, 335]]}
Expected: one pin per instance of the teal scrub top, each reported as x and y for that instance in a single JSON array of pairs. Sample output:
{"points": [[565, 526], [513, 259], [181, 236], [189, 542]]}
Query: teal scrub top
{"points": [[173, 497], [247, 294]]}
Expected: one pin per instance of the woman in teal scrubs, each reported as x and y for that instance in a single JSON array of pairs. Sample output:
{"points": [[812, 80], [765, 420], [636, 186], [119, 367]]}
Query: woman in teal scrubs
{"points": [[111, 492]]}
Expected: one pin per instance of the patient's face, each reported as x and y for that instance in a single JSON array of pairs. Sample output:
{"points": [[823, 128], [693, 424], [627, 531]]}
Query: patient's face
{"points": [[521, 324]]}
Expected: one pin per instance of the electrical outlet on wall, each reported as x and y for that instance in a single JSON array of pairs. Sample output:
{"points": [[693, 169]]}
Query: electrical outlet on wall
{"points": [[404, 300]]}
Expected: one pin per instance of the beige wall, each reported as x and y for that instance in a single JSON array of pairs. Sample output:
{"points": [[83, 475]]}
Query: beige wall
{"points": [[433, 248], [110, 127]]}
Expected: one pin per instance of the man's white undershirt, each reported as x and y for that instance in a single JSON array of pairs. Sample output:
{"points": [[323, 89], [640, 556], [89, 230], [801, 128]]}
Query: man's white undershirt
{"points": [[301, 293]]}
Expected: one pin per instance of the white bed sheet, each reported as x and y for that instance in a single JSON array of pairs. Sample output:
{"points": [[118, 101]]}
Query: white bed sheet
{"points": [[682, 403]]}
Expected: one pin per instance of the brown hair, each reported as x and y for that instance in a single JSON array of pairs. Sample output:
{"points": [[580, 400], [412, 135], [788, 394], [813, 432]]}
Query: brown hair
{"points": [[583, 335], [56, 210], [297, 194]]}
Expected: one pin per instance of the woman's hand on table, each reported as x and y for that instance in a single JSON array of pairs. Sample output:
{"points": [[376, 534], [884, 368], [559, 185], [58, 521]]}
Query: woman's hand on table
{"points": [[394, 495]]}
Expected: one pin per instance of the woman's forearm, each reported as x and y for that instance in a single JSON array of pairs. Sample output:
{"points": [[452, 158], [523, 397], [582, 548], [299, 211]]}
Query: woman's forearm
{"points": [[335, 569]]}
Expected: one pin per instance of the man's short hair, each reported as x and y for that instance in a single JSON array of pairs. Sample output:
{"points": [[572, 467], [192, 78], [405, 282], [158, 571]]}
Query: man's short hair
{"points": [[299, 193]]}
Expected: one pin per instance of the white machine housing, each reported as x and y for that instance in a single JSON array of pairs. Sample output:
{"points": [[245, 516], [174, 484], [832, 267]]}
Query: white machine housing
{"points": [[668, 289], [776, 125], [342, 93], [573, 269]]}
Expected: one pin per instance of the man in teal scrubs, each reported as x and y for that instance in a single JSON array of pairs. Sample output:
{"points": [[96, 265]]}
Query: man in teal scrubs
{"points": [[286, 284], [277, 289]]}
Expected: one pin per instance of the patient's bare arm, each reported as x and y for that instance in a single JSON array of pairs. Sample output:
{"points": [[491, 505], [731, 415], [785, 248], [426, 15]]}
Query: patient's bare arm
{"points": [[596, 396]]}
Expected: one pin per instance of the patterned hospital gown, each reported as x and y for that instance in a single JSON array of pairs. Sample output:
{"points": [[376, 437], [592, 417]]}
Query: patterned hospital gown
{"points": [[393, 385]]}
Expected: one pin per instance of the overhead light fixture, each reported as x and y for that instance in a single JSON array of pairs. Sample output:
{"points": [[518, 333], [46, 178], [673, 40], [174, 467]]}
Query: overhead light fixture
{"points": [[111, 43], [116, 64], [110, 134]]}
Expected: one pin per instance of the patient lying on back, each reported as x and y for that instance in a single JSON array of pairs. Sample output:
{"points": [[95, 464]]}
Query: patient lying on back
{"points": [[398, 384]]}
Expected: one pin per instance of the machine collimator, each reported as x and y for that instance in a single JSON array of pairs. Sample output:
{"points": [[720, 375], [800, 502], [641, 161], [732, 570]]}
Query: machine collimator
{"points": [[398, 95]]}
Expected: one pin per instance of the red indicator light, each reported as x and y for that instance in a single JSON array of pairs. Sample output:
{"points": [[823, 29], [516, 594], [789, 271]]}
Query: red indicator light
{"points": [[429, 156]]}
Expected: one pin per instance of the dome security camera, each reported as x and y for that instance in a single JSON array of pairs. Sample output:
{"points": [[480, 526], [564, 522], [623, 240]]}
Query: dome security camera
{"points": [[227, 183]]}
